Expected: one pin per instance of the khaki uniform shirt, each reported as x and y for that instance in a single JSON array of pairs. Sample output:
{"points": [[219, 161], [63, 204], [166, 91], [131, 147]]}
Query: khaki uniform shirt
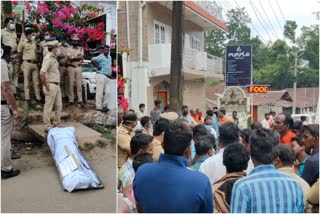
{"points": [[5, 77], [157, 149], [28, 50], [73, 52], [50, 67], [63, 51], [124, 138], [9, 38], [43, 48]]}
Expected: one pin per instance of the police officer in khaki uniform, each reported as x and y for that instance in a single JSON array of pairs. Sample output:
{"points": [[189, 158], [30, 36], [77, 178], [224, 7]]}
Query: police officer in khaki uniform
{"points": [[50, 78], [27, 50], [9, 38], [75, 56], [9, 111], [63, 62]]}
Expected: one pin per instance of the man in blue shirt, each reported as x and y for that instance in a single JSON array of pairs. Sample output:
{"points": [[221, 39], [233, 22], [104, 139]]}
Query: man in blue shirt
{"points": [[310, 138], [103, 76], [265, 189], [169, 186]]}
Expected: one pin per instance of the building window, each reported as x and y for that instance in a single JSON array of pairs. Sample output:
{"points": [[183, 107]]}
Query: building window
{"points": [[157, 33], [195, 43], [160, 31], [163, 35]]}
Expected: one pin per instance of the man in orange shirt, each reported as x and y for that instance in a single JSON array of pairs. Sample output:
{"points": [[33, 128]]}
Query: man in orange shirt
{"points": [[194, 115], [222, 116], [283, 124]]}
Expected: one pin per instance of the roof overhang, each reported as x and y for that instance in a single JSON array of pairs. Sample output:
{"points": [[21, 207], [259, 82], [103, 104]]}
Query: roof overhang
{"points": [[201, 17], [198, 15]]}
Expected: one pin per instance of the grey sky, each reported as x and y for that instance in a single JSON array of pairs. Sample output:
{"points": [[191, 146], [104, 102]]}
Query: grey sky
{"points": [[300, 11]]}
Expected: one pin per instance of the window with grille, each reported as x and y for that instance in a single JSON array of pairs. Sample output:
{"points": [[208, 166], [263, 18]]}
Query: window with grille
{"points": [[156, 33], [161, 32], [195, 43]]}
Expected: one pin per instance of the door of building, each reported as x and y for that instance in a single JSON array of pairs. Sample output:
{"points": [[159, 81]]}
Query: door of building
{"points": [[162, 95]]}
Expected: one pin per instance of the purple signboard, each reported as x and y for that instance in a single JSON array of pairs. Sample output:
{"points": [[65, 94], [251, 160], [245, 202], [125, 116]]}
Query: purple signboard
{"points": [[238, 65]]}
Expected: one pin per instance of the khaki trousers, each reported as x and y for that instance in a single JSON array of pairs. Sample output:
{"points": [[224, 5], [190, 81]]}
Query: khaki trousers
{"points": [[75, 75], [64, 82], [102, 91], [15, 66], [6, 131], [31, 71], [14, 71], [53, 99]]}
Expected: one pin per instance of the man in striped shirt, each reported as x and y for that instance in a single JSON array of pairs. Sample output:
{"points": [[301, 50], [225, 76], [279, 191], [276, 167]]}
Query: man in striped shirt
{"points": [[265, 189]]}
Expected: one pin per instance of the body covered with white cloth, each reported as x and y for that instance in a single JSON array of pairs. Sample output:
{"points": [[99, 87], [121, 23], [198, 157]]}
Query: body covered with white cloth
{"points": [[75, 171]]}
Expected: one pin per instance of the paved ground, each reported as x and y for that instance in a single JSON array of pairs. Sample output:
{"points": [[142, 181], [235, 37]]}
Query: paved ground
{"points": [[38, 189], [83, 133]]}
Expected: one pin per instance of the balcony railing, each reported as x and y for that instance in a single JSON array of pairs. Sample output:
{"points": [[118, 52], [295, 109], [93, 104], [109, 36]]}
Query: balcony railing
{"points": [[193, 61], [211, 7]]}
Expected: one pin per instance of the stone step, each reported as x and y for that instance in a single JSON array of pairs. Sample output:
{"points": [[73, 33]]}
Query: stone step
{"points": [[38, 116], [83, 133]]}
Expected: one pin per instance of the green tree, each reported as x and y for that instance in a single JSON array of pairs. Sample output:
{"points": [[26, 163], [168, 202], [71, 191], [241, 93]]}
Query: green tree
{"points": [[308, 43], [277, 48], [215, 42], [290, 30], [239, 32], [308, 77], [261, 53]]}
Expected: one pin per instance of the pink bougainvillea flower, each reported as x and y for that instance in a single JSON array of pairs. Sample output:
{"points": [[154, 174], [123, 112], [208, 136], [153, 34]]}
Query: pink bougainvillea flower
{"points": [[113, 31], [123, 103], [44, 25], [28, 7], [14, 2]]}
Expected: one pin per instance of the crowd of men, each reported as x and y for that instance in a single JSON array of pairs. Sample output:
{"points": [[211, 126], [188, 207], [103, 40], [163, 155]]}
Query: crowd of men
{"points": [[55, 68], [206, 163]]}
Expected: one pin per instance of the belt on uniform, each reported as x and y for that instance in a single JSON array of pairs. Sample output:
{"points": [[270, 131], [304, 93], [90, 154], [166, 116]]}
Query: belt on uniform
{"points": [[109, 76], [65, 66], [32, 62], [3, 102], [56, 83], [74, 66]]}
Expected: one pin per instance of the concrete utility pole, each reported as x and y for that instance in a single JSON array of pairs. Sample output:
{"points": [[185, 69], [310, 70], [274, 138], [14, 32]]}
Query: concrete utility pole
{"points": [[295, 82]]}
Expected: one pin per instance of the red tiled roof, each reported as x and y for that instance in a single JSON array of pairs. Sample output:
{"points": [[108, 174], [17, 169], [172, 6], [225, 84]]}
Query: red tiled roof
{"points": [[306, 97], [196, 8], [211, 92], [268, 98]]}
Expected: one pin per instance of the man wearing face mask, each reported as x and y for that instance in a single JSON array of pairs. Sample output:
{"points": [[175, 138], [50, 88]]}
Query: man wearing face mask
{"points": [[9, 111], [27, 51], [50, 78], [192, 123], [9, 38], [63, 68], [125, 133], [75, 56], [103, 76]]}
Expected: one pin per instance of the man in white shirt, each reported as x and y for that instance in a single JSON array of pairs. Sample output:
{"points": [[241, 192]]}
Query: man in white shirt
{"points": [[265, 121], [213, 167]]}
